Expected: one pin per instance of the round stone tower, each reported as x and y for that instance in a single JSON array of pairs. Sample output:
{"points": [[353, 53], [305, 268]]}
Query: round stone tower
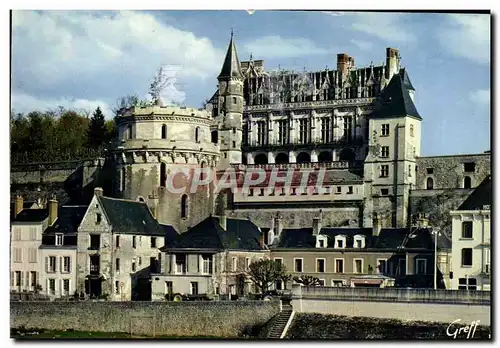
{"points": [[159, 151]]}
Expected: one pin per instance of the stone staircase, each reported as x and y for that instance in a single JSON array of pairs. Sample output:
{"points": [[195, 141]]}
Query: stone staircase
{"points": [[280, 322]]}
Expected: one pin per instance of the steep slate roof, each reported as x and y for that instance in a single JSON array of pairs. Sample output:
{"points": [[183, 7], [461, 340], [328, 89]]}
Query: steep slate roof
{"points": [[26, 205], [395, 100], [130, 216], [208, 234], [480, 196], [32, 215], [406, 80], [231, 66], [68, 219]]}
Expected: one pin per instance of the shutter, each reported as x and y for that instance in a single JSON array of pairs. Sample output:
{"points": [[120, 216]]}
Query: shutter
{"points": [[46, 264], [69, 264], [61, 287], [61, 264], [11, 278], [47, 286], [28, 285], [21, 278]]}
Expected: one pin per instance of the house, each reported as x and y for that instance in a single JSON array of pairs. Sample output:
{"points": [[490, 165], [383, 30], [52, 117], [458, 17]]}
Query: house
{"points": [[118, 246], [211, 258], [471, 243]]}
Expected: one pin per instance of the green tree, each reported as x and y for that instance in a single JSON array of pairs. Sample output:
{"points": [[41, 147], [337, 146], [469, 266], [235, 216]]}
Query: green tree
{"points": [[266, 272], [111, 131], [97, 131]]}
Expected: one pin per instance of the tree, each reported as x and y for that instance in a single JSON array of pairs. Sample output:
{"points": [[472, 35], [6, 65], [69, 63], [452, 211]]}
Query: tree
{"points": [[307, 280], [160, 82], [263, 273], [97, 131]]}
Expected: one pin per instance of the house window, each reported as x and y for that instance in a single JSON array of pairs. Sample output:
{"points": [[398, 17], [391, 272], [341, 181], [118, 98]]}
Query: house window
{"points": [[347, 128], [320, 265], [340, 242], [194, 288], [250, 192], [66, 264], [339, 265], [303, 131], [18, 255], [184, 206], [384, 151], [467, 229], [421, 266], [18, 278], [32, 233], [382, 266], [325, 130], [298, 265], [134, 242], [409, 171], [98, 218], [384, 192], [34, 280], [95, 241], [282, 132], [207, 264], [466, 257], [337, 283], [430, 184], [234, 264], [384, 171], [180, 263], [279, 285], [430, 171], [338, 190], [261, 192], [385, 130], [133, 267], [117, 287], [261, 132], [153, 242], [411, 130], [467, 182], [321, 243], [470, 167], [117, 241], [467, 284], [359, 241], [52, 286], [66, 286], [164, 131], [350, 190], [234, 100], [51, 264], [487, 261], [358, 265], [59, 239], [247, 264]]}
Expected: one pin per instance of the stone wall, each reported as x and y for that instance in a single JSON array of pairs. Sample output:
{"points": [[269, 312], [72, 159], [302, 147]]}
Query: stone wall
{"points": [[220, 319]]}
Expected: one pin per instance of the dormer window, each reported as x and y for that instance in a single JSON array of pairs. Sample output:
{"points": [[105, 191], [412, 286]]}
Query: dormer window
{"points": [[340, 242], [321, 241], [59, 239], [359, 241]]}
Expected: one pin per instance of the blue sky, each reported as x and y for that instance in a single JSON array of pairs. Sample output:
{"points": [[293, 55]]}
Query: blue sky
{"points": [[82, 59]]}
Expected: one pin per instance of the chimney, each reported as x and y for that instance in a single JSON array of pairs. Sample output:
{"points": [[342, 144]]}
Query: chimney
{"points": [[377, 224], [52, 211], [223, 222], [342, 62], [317, 224], [98, 191], [18, 205], [278, 226], [392, 62]]}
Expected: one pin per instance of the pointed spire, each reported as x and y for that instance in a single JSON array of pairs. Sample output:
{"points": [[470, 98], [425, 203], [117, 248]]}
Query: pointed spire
{"points": [[231, 66]]}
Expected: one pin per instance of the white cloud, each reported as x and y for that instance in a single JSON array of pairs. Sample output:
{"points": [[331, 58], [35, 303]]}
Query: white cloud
{"points": [[25, 103], [467, 36], [102, 56], [275, 46], [481, 97], [362, 44], [385, 26]]}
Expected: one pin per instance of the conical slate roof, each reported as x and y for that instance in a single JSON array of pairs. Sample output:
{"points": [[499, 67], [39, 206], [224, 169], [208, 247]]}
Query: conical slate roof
{"points": [[231, 67]]}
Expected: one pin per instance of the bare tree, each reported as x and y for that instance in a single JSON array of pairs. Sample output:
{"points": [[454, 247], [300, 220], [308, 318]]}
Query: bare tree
{"points": [[264, 273], [307, 280], [160, 82]]}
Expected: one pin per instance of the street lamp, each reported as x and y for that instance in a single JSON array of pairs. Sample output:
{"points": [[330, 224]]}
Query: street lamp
{"points": [[436, 235]]}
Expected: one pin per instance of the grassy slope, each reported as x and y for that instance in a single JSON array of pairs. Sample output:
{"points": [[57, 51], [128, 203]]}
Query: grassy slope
{"points": [[318, 326]]}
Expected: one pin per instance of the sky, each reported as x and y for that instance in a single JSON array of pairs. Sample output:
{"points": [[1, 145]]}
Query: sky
{"points": [[85, 59]]}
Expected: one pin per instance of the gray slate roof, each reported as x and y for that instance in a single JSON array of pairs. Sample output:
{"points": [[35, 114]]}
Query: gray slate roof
{"points": [[231, 66], [68, 220], [32, 215], [482, 195]]}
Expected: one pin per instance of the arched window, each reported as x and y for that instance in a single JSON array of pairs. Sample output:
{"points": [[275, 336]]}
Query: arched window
{"points": [[467, 182], [325, 156], [197, 134], [163, 174], [184, 206], [122, 178], [164, 131], [430, 183], [260, 159], [281, 158], [303, 157], [140, 199]]}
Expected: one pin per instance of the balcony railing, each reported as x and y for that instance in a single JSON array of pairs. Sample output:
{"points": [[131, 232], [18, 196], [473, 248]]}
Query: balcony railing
{"points": [[254, 144], [312, 165]]}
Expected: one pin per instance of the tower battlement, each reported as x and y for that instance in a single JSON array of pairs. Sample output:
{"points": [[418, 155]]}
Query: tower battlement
{"points": [[164, 111]]}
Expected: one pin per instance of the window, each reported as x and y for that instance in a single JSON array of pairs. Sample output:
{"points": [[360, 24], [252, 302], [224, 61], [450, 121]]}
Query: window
{"points": [[303, 131], [421, 266], [129, 131], [18, 278], [17, 233], [467, 229], [320, 265], [50, 264], [122, 178], [384, 192], [338, 190], [347, 128], [234, 144], [153, 242], [401, 269], [430, 171], [409, 171], [164, 131], [384, 151], [117, 265], [261, 192], [163, 174], [325, 130], [207, 264], [339, 265], [117, 287], [169, 287], [470, 167], [384, 171], [32, 233], [234, 100], [117, 241], [140, 261], [467, 182], [487, 269], [133, 267], [467, 284], [197, 134], [184, 206], [134, 242], [282, 132], [411, 130], [52, 286], [261, 132], [194, 288], [247, 264], [466, 257], [180, 263], [279, 285], [358, 265], [337, 283], [98, 218], [234, 264], [340, 242], [321, 243], [66, 264], [359, 241], [382, 266], [18, 255], [350, 190], [385, 130], [250, 192], [298, 265], [321, 282], [430, 184], [34, 279], [66, 286], [95, 241]]}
